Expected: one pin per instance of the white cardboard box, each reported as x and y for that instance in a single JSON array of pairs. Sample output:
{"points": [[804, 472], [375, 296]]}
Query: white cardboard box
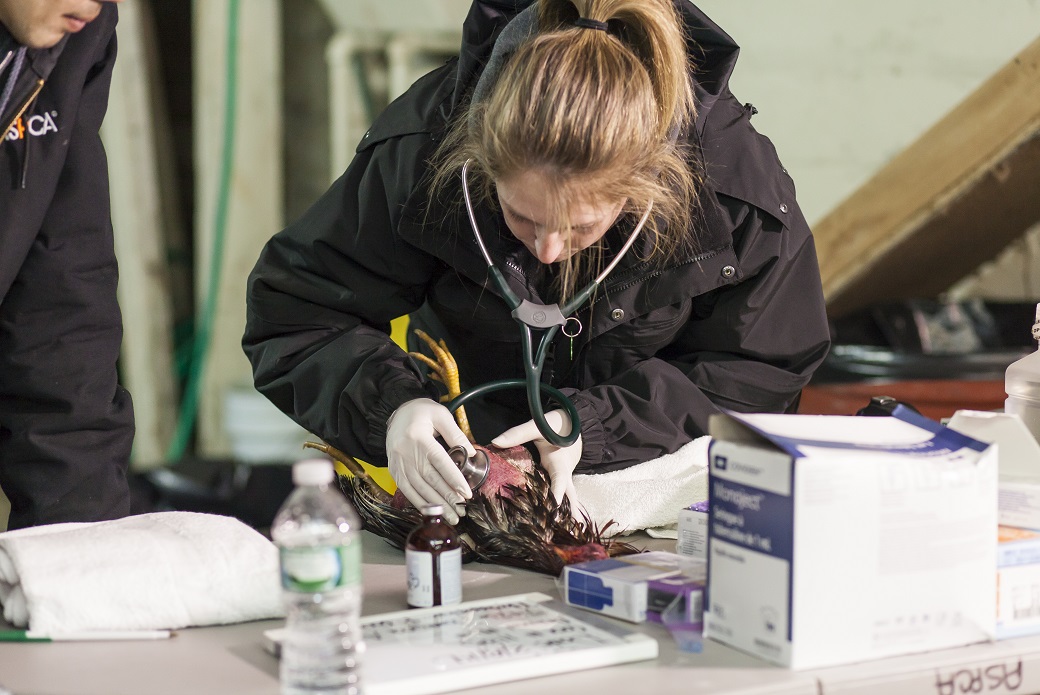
{"points": [[693, 531], [837, 539], [1018, 582], [1019, 477]]}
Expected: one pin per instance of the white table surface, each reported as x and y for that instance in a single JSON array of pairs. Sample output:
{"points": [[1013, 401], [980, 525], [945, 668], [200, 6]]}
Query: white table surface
{"points": [[231, 660]]}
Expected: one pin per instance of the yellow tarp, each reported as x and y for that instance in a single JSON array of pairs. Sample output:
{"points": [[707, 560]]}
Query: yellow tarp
{"points": [[381, 475]]}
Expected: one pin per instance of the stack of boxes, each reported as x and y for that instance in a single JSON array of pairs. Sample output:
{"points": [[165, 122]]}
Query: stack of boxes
{"points": [[1018, 582], [661, 587], [1018, 537], [833, 540]]}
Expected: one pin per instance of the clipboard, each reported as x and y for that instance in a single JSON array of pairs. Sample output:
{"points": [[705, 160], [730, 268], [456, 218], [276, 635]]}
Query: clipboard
{"points": [[435, 650]]}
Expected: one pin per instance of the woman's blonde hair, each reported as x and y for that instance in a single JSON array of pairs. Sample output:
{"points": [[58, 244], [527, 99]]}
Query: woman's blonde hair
{"points": [[596, 112]]}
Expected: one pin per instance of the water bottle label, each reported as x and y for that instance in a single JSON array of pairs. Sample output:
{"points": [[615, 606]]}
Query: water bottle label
{"points": [[310, 570]]}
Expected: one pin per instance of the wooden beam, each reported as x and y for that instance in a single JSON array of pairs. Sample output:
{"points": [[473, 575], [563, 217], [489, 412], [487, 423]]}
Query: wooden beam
{"points": [[949, 202], [141, 221], [255, 209]]}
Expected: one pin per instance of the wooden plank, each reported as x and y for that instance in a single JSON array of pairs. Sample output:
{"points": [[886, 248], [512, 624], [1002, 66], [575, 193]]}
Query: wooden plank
{"points": [[1011, 276], [256, 204], [949, 202], [141, 227]]}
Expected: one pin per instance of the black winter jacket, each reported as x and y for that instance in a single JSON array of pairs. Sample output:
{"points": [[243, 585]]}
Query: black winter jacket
{"points": [[66, 425], [739, 324]]}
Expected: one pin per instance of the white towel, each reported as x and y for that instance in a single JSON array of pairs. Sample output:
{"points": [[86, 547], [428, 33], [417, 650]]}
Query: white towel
{"points": [[647, 496], [164, 570]]}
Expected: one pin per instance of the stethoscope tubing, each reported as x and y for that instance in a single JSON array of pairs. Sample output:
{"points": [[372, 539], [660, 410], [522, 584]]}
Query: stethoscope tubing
{"points": [[534, 363]]}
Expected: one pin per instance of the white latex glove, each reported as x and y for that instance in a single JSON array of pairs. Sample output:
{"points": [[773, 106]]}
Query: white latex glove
{"points": [[418, 463], [559, 462]]}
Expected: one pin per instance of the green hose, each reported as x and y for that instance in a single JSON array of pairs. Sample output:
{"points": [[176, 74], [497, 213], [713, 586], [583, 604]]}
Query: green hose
{"points": [[204, 325]]}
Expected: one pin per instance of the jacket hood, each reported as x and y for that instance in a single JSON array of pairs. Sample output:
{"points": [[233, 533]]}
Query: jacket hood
{"points": [[43, 60], [493, 30]]}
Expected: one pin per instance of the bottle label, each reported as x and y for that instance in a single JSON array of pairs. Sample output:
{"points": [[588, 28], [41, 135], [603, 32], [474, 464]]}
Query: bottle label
{"points": [[427, 571], [451, 577], [321, 568]]}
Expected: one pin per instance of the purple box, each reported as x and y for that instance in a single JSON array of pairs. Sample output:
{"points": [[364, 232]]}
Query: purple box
{"points": [[675, 600]]}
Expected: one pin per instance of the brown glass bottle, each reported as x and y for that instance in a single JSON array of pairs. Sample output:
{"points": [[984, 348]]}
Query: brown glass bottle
{"points": [[433, 559]]}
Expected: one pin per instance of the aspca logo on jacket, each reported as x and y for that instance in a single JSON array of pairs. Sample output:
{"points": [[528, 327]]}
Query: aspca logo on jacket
{"points": [[35, 126]]}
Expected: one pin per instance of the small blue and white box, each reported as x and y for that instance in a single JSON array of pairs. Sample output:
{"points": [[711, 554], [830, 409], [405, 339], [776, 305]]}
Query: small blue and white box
{"points": [[638, 587], [837, 539]]}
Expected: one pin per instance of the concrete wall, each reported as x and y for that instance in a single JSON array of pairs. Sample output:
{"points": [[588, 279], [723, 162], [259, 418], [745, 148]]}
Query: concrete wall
{"points": [[842, 87]]}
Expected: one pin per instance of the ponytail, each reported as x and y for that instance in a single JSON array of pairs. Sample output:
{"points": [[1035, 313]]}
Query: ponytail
{"points": [[651, 30], [596, 98]]}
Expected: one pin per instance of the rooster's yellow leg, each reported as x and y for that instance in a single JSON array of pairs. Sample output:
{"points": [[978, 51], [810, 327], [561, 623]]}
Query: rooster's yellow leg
{"points": [[446, 371], [355, 468]]}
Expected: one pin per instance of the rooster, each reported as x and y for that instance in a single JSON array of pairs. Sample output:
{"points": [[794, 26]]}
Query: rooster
{"points": [[512, 519]]}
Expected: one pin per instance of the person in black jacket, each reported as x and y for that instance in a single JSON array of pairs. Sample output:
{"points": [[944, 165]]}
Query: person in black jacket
{"points": [[66, 426], [577, 121]]}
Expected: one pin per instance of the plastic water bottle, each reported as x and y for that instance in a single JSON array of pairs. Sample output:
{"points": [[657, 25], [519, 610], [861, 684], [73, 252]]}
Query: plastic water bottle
{"points": [[1022, 385], [316, 532]]}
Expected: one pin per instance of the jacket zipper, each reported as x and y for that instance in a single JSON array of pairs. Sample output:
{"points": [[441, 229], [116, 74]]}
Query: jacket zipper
{"points": [[621, 284], [25, 163], [549, 367], [3, 134], [25, 106], [618, 286]]}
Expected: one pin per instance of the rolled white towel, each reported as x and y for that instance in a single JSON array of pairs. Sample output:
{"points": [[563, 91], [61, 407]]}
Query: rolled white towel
{"points": [[647, 496], [164, 570]]}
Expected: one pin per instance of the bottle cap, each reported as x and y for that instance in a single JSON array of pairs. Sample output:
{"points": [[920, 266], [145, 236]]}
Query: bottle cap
{"points": [[432, 509], [313, 472]]}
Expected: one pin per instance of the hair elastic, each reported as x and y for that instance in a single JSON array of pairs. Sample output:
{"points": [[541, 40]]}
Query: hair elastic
{"points": [[586, 23]]}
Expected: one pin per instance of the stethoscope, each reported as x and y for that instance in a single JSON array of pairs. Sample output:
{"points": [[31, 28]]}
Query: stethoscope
{"points": [[547, 318]]}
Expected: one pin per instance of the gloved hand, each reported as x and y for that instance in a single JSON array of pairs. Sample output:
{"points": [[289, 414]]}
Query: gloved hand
{"points": [[418, 463], [559, 462]]}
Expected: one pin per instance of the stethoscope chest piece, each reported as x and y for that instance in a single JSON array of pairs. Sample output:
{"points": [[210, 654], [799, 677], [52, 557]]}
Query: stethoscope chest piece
{"points": [[475, 469]]}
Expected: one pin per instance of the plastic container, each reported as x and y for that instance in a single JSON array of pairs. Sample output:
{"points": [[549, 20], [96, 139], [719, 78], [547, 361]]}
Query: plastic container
{"points": [[1022, 385], [316, 531], [433, 556], [258, 432]]}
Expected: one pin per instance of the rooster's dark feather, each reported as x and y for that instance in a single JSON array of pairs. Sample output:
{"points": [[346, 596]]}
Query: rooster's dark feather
{"points": [[520, 525]]}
